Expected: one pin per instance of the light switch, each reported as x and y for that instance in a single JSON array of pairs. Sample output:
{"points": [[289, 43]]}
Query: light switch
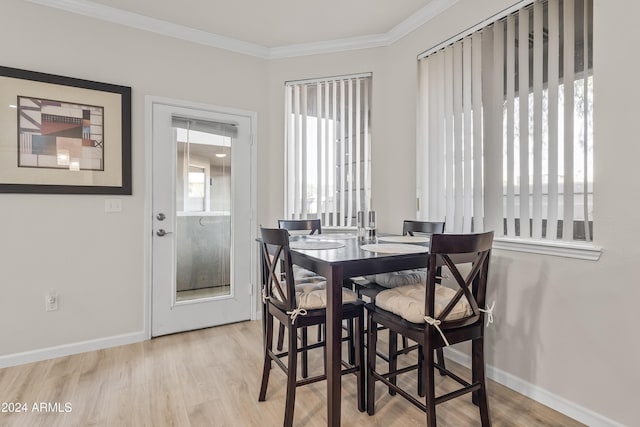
{"points": [[113, 205]]}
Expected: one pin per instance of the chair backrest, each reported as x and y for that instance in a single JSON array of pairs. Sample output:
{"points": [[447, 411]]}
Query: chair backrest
{"points": [[452, 250], [278, 283], [312, 225], [421, 227]]}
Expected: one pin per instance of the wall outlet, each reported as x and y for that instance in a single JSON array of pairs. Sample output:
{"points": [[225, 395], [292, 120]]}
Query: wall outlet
{"points": [[51, 301], [112, 205]]}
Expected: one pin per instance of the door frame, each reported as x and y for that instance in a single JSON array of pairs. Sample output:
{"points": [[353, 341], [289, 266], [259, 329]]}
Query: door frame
{"points": [[150, 101]]}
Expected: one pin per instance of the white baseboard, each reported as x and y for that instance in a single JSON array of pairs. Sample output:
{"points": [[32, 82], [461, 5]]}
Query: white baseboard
{"points": [[69, 349], [559, 403]]}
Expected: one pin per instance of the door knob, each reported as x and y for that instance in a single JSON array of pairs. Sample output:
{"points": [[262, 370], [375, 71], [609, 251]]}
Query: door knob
{"points": [[161, 232], [160, 216]]}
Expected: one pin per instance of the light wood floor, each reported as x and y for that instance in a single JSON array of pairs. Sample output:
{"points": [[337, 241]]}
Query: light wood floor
{"points": [[211, 377]]}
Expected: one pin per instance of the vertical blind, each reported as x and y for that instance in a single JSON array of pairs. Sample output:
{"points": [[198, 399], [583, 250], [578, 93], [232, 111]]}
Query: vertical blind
{"points": [[327, 149], [505, 126]]}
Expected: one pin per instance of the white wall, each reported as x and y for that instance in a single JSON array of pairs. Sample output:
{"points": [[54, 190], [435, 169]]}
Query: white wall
{"points": [[561, 325], [93, 259]]}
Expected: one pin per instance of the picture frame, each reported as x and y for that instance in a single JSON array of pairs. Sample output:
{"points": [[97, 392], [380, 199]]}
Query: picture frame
{"points": [[63, 135]]}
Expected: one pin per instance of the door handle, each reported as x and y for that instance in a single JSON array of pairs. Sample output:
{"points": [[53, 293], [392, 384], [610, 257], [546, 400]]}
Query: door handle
{"points": [[161, 232], [160, 216]]}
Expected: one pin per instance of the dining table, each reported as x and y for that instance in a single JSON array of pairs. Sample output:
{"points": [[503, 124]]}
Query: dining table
{"points": [[349, 257]]}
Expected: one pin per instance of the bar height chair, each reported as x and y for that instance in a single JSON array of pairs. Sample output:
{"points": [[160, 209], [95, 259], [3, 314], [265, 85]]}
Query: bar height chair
{"points": [[436, 316], [298, 306], [382, 282]]}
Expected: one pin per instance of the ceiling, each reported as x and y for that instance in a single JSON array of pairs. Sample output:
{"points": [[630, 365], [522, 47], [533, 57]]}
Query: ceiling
{"points": [[273, 23], [267, 28]]}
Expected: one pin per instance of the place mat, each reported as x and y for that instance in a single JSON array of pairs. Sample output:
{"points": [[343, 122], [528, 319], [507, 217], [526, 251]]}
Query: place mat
{"points": [[332, 236], [404, 239], [394, 248], [316, 244]]}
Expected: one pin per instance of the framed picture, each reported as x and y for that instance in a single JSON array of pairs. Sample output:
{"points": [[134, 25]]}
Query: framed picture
{"points": [[63, 135]]}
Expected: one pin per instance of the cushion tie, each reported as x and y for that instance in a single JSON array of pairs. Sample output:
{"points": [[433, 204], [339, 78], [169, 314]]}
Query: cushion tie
{"points": [[265, 298], [489, 312], [436, 324], [296, 312]]}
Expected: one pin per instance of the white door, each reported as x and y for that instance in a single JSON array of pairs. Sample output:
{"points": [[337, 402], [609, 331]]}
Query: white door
{"points": [[202, 204]]}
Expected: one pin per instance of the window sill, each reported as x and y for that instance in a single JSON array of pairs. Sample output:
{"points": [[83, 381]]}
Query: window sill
{"points": [[584, 251]]}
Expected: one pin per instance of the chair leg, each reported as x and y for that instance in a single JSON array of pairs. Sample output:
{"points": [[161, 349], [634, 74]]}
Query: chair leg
{"points": [[393, 358], [480, 397], [350, 342], [305, 358], [268, 345], [372, 339], [421, 381], [359, 355], [280, 337], [440, 360], [291, 376], [430, 388]]}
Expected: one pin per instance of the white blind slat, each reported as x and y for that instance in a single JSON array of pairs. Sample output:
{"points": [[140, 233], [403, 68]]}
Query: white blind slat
{"points": [[585, 81], [289, 157], [538, 63], [448, 138], [303, 153], [568, 78], [349, 140], [326, 140], [367, 169], [441, 150], [336, 152], [511, 86], [423, 137], [477, 199], [523, 126], [497, 122], [343, 156], [319, 151], [488, 186], [428, 132], [554, 75], [457, 139], [297, 153], [467, 168], [357, 145]]}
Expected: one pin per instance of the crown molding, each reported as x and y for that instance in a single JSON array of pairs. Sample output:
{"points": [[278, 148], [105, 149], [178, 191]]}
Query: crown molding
{"points": [[145, 23], [165, 28], [421, 17], [330, 46]]}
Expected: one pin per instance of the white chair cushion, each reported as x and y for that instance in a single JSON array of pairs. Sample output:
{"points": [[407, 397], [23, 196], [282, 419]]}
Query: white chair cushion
{"points": [[408, 302], [399, 278], [313, 295]]}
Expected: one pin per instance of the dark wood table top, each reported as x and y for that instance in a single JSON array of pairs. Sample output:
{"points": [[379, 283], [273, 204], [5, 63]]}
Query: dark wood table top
{"points": [[354, 260]]}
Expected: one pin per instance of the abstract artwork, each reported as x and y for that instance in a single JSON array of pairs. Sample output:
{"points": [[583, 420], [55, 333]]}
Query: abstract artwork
{"points": [[56, 134], [63, 135]]}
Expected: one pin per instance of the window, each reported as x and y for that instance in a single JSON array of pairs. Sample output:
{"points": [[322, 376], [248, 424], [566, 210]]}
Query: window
{"points": [[506, 126], [203, 174], [327, 149]]}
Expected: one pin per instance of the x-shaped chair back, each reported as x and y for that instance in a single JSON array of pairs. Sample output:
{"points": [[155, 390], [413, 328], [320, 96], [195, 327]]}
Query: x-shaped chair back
{"points": [[314, 226], [421, 227], [277, 271], [452, 250]]}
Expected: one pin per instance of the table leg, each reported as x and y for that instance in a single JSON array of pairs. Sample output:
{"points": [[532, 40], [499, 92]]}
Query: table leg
{"points": [[334, 345]]}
